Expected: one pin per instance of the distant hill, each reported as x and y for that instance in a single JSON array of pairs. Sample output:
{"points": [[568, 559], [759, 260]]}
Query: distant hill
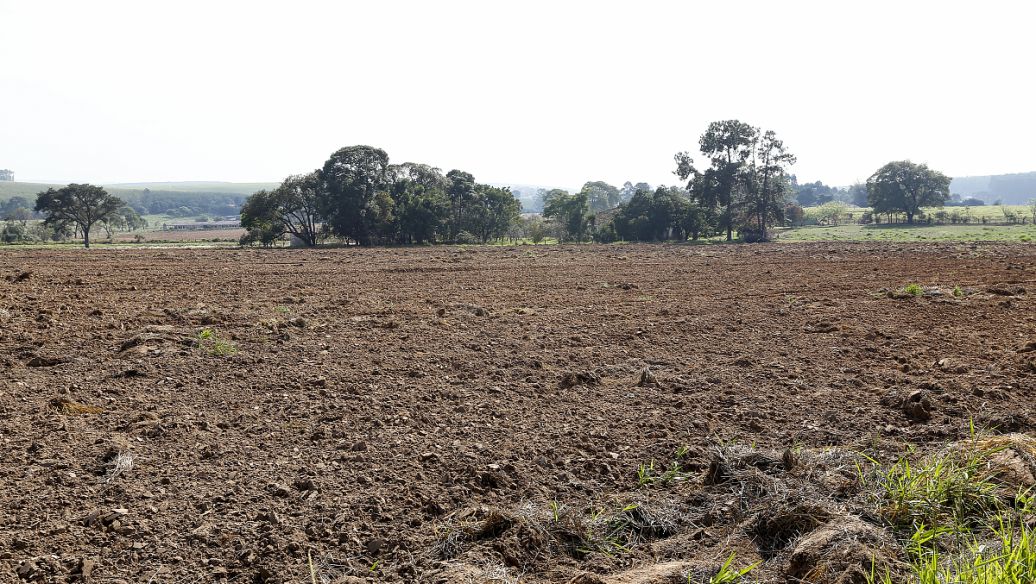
{"points": [[197, 187], [179, 199], [1012, 189], [26, 189], [529, 194]]}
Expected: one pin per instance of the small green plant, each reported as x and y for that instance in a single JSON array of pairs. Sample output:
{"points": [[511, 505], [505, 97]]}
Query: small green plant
{"points": [[1006, 555], [727, 574], [913, 289], [948, 490], [210, 342], [647, 474], [958, 292], [556, 510]]}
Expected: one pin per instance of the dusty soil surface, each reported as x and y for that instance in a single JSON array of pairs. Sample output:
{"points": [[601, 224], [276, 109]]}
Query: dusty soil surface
{"points": [[445, 414]]}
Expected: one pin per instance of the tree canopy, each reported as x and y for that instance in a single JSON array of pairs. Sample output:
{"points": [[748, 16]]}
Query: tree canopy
{"points": [[904, 187], [570, 212], [746, 184], [359, 196], [77, 205]]}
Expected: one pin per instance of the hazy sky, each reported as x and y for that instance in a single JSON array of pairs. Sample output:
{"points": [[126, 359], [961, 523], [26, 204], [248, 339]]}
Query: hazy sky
{"points": [[552, 93]]}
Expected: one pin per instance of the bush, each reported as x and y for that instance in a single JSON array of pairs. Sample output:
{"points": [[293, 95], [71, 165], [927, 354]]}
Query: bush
{"points": [[753, 235], [467, 238]]}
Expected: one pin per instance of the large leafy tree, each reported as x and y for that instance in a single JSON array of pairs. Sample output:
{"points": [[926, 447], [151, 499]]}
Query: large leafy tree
{"points": [[493, 212], [570, 212], [419, 195], [124, 219], [354, 199], [293, 207], [745, 185], [654, 216], [766, 183], [260, 216], [728, 144], [601, 195], [905, 187], [460, 191], [77, 205]]}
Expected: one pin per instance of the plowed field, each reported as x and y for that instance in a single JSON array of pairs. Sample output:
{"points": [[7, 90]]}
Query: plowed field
{"points": [[447, 414]]}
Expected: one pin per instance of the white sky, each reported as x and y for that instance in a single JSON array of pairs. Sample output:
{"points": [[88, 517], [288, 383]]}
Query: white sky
{"points": [[552, 93]]}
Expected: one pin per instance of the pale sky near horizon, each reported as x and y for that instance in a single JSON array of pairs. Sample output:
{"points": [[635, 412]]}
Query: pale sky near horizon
{"points": [[536, 92]]}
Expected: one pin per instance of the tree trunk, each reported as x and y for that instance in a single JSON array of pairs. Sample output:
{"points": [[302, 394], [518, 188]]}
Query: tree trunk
{"points": [[86, 237]]}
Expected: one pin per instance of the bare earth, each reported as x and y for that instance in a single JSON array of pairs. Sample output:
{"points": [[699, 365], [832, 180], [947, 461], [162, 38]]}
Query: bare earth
{"points": [[437, 414]]}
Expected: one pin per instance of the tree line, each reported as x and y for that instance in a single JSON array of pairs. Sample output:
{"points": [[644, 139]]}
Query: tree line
{"points": [[359, 197]]}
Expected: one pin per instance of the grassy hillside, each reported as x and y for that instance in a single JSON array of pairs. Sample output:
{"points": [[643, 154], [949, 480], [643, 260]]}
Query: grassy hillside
{"points": [[22, 189]]}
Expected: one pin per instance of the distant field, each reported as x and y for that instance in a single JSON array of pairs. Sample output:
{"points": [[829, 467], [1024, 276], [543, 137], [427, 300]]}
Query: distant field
{"points": [[198, 187], [26, 189], [989, 212], [905, 233]]}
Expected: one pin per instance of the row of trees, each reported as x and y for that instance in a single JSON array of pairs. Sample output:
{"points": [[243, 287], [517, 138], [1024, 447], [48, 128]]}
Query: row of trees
{"points": [[359, 196], [745, 188]]}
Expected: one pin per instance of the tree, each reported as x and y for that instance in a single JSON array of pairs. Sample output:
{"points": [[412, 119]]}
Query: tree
{"points": [[291, 208], [354, 200], [832, 212], [746, 183], [492, 213], [419, 196], [766, 183], [570, 212], [125, 218], [601, 195], [905, 187], [460, 191], [77, 205], [663, 214], [795, 214], [858, 194], [1032, 209], [729, 145], [260, 216]]}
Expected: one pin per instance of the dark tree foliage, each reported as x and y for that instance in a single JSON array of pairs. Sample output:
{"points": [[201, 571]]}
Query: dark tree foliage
{"points": [[746, 184], [493, 211], [601, 195], [766, 185], [78, 205], [291, 208], [652, 216], [571, 214], [421, 207], [354, 201], [260, 217], [905, 187], [358, 196]]}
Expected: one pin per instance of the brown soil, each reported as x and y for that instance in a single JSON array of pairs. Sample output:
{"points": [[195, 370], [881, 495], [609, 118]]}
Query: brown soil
{"points": [[445, 414]]}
